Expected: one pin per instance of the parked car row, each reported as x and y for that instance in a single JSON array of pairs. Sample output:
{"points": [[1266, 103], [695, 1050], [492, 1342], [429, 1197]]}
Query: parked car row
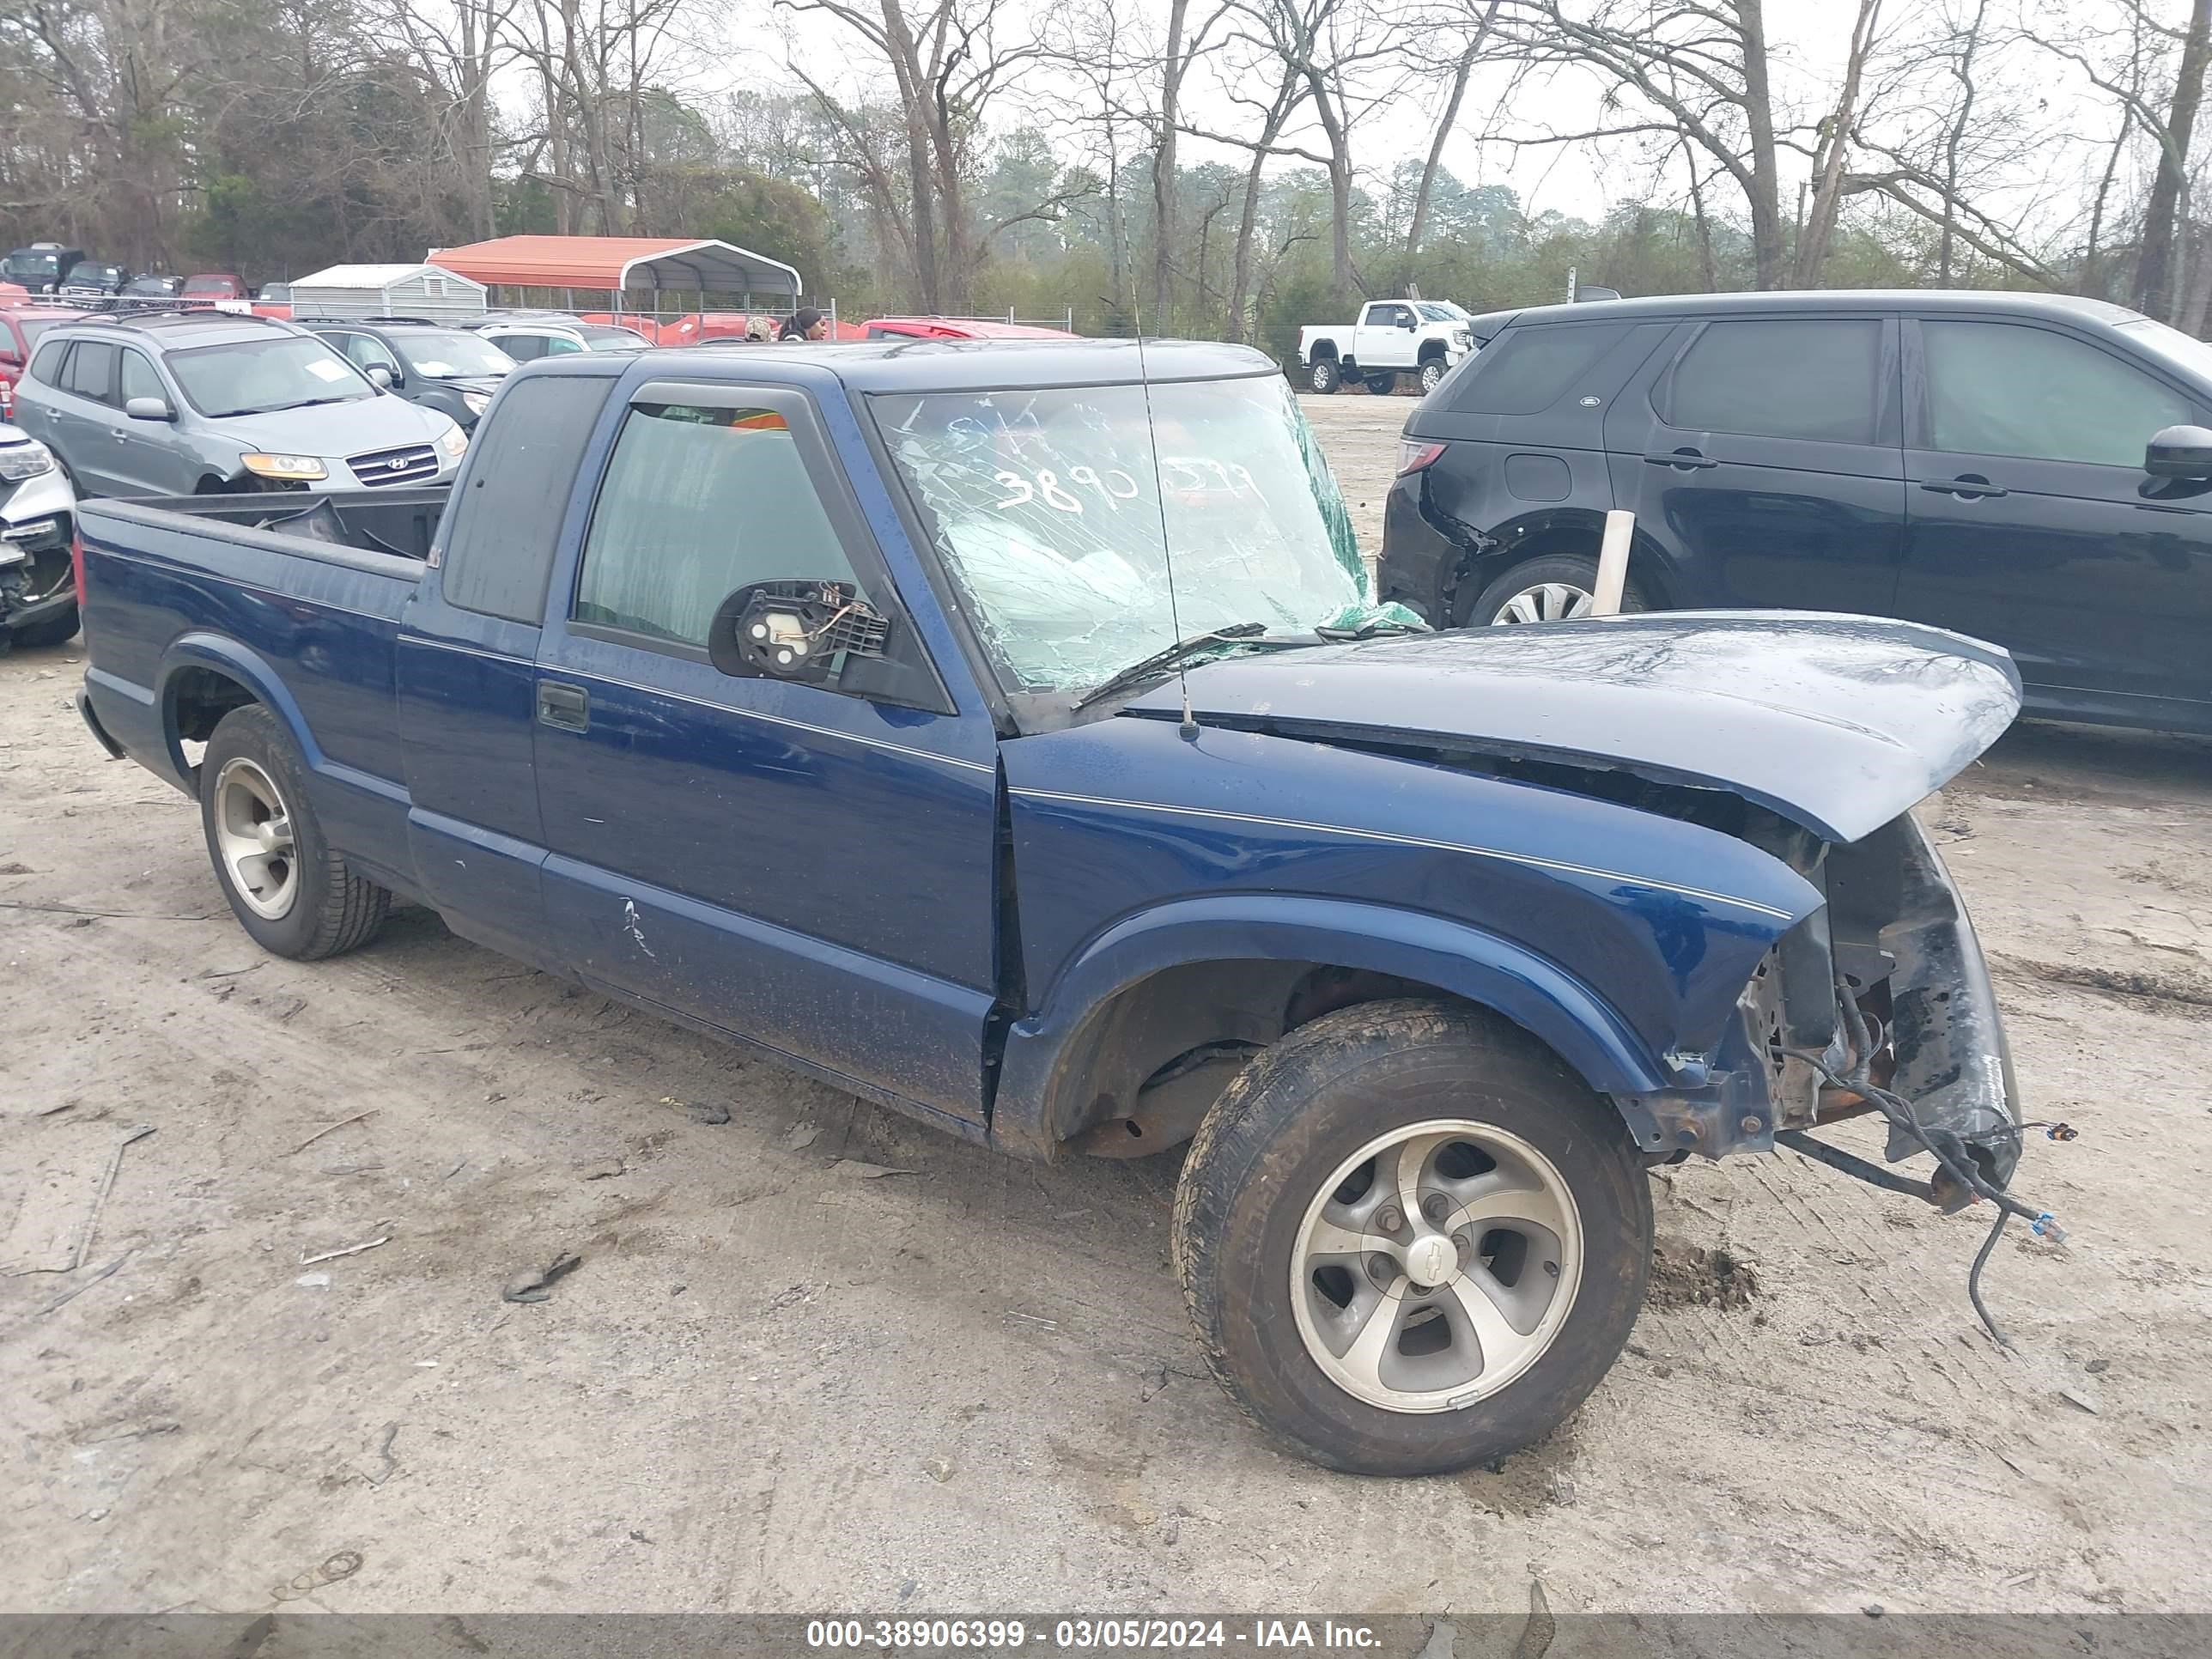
{"points": [[2034, 471]]}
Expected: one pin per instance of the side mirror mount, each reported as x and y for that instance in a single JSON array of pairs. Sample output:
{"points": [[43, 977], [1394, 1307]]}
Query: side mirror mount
{"points": [[2179, 451], [149, 409], [1409, 323], [805, 629], [380, 377]]}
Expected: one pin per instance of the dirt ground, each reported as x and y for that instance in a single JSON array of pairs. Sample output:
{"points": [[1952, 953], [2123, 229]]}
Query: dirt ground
{"points": [[781, 1379]]}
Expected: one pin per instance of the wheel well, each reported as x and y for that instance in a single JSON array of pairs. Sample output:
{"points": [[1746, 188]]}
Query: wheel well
{"points": [[1167, 1025], [197, 698], [1429, 349], [1323, 349], [1476, 571]]}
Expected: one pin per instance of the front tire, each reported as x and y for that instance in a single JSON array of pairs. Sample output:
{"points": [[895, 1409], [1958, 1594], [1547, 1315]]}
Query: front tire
{"points": [[1325, 377], [288, 888], [54, 630], [1411, 1239], [1432, 374], [1556, 587]]}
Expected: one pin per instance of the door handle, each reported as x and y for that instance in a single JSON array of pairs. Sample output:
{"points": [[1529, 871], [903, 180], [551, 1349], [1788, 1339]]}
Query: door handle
{"points": [[1967, 486], [1685, 460], [564, 706]]}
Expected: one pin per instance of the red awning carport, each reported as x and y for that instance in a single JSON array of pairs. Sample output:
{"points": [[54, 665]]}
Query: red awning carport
{"points": [[617, 264]]}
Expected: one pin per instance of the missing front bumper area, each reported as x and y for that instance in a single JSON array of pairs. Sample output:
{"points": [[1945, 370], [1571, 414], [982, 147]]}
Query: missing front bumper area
{"points": [[1894, 939]]}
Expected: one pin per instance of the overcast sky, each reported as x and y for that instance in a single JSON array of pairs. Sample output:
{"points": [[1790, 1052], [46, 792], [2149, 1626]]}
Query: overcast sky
{"points": [[2042, 180]]}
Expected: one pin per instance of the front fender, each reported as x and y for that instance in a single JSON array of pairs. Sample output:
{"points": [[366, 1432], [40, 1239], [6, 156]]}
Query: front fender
{"points": [[1037, 1091]]}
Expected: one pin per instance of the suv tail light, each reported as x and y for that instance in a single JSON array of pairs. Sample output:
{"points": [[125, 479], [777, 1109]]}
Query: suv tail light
{"points": [[76, 567], [1412, 458]]}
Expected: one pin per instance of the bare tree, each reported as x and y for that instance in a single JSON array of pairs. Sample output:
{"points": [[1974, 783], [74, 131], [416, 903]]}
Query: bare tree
{"points": [[2172, 131], [1462, 67], [948, 64], [1832, 141], [1698, 68]]}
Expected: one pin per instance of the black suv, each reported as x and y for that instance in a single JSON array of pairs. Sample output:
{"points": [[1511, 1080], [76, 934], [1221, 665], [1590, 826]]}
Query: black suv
{"points": [[440, 366], [2004, 465]]}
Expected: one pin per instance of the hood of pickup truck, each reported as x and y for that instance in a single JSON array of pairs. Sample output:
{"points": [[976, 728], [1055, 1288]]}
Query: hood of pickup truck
{"points": [[1837, 723]]}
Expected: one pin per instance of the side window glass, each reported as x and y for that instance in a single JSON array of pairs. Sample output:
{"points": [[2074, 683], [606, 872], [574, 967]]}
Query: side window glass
{"points": [[523, 348], [698, 503], [139, 380], [370, 352], [91, 371], [1819, 380], [500, 556], [46, 361], [558, 344], [2004, 389], [1524, 370]]}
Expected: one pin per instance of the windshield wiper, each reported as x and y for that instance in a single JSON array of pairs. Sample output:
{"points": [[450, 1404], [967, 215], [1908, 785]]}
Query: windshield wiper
{"points": [[1160, 661], [1369, 629], [312, 403]]}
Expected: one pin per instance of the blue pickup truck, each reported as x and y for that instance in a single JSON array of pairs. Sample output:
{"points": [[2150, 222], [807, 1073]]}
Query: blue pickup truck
{"points": [[999, 732]]}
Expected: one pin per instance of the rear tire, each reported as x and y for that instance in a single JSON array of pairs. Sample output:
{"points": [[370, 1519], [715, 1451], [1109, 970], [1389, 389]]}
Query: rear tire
{"points": [[296, 896], [1555, 587], [1379, 382], [1325, 377], [1522, 1316]]}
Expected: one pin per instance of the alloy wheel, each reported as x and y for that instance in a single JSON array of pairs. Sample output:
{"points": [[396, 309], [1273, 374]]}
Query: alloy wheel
{"points": [[1436, 1265], [1545, 602], [253, 836]]}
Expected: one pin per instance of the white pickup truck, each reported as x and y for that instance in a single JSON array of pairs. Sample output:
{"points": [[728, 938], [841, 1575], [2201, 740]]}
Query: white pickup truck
{"points": [[1392, 337]]}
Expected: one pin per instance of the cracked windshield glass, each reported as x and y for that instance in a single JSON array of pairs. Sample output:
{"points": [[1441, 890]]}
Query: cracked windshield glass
{"points": [[1046, 507]]}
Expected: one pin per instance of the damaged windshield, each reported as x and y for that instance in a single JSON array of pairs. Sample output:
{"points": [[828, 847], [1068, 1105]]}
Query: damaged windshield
{"points": [[1047, 508]]}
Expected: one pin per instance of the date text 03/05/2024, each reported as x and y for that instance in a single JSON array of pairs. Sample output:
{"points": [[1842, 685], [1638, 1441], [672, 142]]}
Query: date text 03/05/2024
{"points": [[1081, 1635]]}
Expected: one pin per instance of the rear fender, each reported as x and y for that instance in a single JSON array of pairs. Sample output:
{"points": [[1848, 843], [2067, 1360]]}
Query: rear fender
{"points": [[1041, 1088], [235, 661]]}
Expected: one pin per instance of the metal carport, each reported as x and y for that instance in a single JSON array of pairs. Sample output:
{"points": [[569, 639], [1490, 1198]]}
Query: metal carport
{"points": [[620, 264]]}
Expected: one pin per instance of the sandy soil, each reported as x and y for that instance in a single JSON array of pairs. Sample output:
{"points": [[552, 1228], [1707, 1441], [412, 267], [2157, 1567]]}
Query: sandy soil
{"points": [[779, 1381]]}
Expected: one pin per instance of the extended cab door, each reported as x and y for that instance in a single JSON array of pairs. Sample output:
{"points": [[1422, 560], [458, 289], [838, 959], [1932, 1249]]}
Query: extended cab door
{"points": [[1763, 453], [2032, 522], [810, 866], [466, 670]]}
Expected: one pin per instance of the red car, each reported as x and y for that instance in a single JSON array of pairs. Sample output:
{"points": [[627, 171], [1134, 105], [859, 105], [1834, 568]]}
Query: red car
{"points": [[19, 328], [959, 328], [219, 288]]}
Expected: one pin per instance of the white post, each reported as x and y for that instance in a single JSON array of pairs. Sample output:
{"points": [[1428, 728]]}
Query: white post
{"points": [[1612, 563]]}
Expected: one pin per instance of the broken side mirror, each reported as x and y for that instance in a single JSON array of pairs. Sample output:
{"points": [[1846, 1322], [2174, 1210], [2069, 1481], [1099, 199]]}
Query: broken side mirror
{"points": [[2179, 451], [803, 629]]}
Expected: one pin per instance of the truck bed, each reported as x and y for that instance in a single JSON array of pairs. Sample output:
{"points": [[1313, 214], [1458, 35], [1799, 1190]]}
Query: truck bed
{"points": [[194, 599], [402, 522]]}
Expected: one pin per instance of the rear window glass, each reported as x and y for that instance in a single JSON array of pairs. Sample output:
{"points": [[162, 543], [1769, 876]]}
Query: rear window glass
{"points": [[1802, 378], [529, 450], [1526, 370]]}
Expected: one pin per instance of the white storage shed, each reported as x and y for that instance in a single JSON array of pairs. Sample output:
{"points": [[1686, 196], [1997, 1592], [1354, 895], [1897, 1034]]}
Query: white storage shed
{"points": [[428, 291]]}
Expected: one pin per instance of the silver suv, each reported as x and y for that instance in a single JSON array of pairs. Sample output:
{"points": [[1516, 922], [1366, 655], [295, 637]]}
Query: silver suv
{"points": [[202, 402]]}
